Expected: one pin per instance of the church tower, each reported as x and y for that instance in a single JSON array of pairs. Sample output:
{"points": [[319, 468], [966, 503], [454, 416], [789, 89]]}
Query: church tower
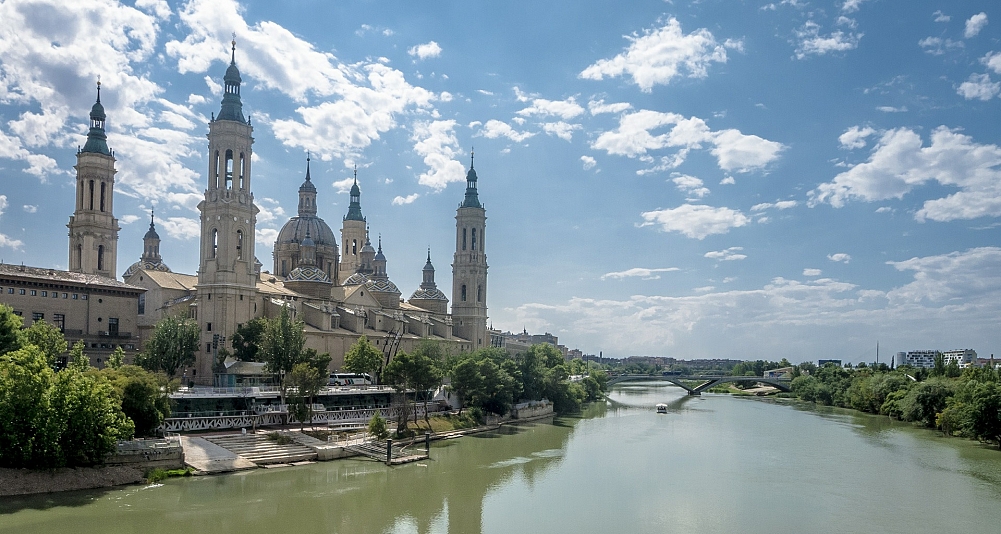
{"points": [[227, 272], [469, 268], [93, 229], [353, 234]]}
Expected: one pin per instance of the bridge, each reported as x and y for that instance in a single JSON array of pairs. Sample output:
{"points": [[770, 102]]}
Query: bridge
{"points": [[702, 382]]}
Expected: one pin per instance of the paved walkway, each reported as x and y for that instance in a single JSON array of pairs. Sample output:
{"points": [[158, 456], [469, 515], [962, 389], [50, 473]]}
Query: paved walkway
{"points": [[210, 458]]}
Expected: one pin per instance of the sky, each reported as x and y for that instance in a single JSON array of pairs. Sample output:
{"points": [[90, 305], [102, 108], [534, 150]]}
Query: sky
{"points": [[709, 179]]}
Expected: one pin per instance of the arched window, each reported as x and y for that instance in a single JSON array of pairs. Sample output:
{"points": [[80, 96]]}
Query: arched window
{"points": [[215, 171], [79, 257], [100, 257], [215, 242], [243, 171], [354, 247], [463, 239], [483, 237], [284, 268], [463, 292], [239, 244], [102, 195], [479, 293], [81, 195], [229, 169], [91, 194], [474, 240]]}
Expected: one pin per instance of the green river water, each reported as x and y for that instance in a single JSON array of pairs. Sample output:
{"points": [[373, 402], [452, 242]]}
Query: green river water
{"points": [[713, 464]]}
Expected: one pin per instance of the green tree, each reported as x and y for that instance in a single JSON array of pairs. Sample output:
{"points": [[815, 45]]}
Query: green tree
{"points": [[466, 380], [144, 396], [25, 380], [924, 401], [248, 338], [985, 412], [77, 359], [363, 357], [305, 382], [415, 371], [10, 329], [86, 414], [282, 345], [377, 426], [172, 346], [117, 358], [46, 337]]}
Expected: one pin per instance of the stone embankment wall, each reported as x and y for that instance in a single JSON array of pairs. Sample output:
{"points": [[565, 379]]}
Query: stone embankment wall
{"points": [[528, 410]]}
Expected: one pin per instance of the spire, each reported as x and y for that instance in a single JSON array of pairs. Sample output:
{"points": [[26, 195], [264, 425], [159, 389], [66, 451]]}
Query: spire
{"points": [[354, 209], [97, 140], [151, 243], [472, 199], [151, 233], [232, 106]]}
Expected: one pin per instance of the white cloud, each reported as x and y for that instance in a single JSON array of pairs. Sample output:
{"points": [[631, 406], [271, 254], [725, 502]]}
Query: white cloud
{"points": [[695, 221], [436, 142], [495, 128], [729, 254], [855, 137], [937, 46], [941, 17], [597, 107], [343, 186], [892, 109], [271, 211], [810, 42], [409, 199], [812, 272], [900, 162], [638, 272], [589, 162], [561, 129], [266, 237], [979, 87], [728, 180], [884, 209], [186, 228], [658, 56], [28, 208], [851, 6], [690, 185], [974, 24], [779, 205], [564, 109], [840, 257], [128, 219], [426, 50], [992, 61], [734, 150]]}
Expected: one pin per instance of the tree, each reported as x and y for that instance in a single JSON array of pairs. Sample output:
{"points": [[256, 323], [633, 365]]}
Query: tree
{"points": [[985, 412], [10, 328], [377, 426], [117, 358], [414, 371], [172, 346], [282, 344], [46, 337], [144, 396], [248, 338], [363, 357], [86, 415], [306, 381], [25, 379], [466, 380], [78, 360]]}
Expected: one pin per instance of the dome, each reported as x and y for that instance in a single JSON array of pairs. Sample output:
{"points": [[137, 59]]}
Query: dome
{"points": [[295, 230], [145, 265], [97, 112], [307, 273], [151, 233], [429, 294], [232, 75], [383, 286], [356, 279]]}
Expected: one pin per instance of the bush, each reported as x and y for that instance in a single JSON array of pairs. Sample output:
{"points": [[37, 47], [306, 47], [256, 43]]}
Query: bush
{"points": [[377, 427], [280, 438]]}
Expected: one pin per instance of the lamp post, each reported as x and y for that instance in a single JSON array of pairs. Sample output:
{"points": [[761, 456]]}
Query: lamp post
{"points": [[281, 391]]}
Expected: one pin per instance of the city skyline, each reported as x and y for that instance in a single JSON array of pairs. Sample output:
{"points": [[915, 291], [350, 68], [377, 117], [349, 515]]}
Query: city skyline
{"points": [[791, 179]]}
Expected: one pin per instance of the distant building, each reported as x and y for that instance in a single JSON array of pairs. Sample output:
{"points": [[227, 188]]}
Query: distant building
{"points": [[821, 363], [963, 357], [916, 358], [781, 372]]}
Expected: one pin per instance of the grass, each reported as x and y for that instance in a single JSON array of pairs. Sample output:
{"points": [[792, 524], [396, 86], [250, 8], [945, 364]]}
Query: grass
{"points": [[156, 474], [280, 439]]}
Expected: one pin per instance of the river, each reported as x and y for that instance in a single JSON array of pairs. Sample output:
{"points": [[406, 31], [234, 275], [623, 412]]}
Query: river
{"points": [[712, 464]]}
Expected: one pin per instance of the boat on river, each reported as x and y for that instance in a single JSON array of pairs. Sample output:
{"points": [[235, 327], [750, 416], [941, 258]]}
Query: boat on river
{"points": [[661, 408]]}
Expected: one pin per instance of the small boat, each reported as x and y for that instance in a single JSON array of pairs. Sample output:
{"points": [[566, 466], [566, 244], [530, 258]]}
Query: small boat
{"points": [[661, 408]]}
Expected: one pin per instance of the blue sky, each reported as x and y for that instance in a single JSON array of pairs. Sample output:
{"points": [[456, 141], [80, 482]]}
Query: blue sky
{"points": [[708, 179]]}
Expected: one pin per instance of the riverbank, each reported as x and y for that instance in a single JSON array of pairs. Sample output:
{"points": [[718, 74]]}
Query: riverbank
{"points": [[27, 481]]}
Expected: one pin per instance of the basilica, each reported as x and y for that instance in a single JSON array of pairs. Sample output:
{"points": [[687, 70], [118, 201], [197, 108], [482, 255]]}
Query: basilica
{"points": [[341, 291]]}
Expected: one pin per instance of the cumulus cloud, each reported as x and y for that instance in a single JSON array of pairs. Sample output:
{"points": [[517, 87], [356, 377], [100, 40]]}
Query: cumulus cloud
{"points": [[855, 137], [409, 199], [561, 129], [979, 87], [811, 42], [695, 221], [426, 50], [840, 257], [28, 208], [779, 205], [436, 142], [812, 272], [851, 6], [266, 237], [187, 228], [564, 109], [690, 185], [728, 254], [900, 162], [974, 24], [941, 17], [588, 162], [992, 61], [597, 107], [937, 46], [495, 128], [735, 151], [660, 55], [638, 272]]}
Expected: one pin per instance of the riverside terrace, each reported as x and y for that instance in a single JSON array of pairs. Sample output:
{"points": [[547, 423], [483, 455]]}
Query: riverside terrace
{"points": [[208, 408]]}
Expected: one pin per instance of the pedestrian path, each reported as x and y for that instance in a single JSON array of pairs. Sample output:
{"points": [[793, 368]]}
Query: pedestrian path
{"points": [[207, 457], [261, 450]]}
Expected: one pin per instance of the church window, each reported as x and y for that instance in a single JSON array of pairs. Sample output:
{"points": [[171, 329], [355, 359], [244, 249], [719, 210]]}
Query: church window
{"points": [[215, 171], [100, 257], [284, 268], [354, 247], [37, 316], [229, 169], [80, 195], [483, 236], [45, 293], [208, 327], [215, 241], [79, 256], [91, 194], [59, 320], [239, 244], [463, 292], [463, 239], [243, 172], [103, 192], [479, 293], [142, 304], [474, 240]]}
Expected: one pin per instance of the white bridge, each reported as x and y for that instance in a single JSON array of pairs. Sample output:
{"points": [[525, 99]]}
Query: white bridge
{"points": [[696, 384]]}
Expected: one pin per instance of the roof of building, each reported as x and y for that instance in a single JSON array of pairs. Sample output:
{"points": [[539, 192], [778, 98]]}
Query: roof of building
{"points": [[172, 280], [66, 277], [295, 230]]}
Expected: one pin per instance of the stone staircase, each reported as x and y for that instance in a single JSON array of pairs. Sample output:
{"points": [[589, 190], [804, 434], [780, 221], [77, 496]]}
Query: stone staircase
{"points": [[261, 450]]}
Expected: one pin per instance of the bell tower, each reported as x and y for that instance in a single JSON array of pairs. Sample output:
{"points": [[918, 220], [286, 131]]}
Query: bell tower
{"points": [[469, 268], [354, 234], [93, 228], [227, 272]]}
